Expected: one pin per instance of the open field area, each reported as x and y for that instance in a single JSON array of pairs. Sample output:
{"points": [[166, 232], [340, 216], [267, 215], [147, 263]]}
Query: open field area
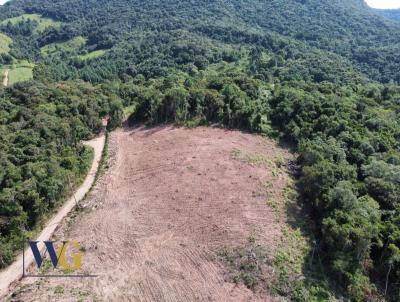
{"points": [[21, 71], [68, 46], [172, 201], [20, 74], [4, 76], [42, 22], [92, 55]]}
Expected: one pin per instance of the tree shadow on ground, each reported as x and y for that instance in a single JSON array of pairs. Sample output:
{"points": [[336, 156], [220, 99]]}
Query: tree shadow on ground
{"points": [[316, 277]]}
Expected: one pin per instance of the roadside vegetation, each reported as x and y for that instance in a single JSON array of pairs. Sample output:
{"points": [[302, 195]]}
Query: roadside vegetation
{"points": [[41, 157]]}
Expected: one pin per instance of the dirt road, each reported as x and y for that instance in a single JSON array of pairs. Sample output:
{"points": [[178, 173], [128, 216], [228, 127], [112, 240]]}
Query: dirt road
{"points": [[14, 271], [5, 78], [155, 223]]}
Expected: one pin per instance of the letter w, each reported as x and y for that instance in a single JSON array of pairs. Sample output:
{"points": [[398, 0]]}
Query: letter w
{"points": [[50, 250]]}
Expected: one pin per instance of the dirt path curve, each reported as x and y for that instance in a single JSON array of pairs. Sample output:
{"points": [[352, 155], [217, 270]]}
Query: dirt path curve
{"points": [[14, 271], [156, 222], [5, 78]]}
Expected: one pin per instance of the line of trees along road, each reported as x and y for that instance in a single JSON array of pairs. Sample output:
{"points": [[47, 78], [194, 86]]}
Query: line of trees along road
{"points": [[42, 159]]}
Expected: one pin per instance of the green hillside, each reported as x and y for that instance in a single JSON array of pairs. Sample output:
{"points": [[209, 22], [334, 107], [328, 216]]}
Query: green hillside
{"points": [[5, 42], [348, 29], [320, 76], [69, 46], [39, 23], [20, 71]]}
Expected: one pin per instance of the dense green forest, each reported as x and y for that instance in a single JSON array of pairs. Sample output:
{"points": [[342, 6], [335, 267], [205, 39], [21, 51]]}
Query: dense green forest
{"points": [[41, 157], [320, 75]]}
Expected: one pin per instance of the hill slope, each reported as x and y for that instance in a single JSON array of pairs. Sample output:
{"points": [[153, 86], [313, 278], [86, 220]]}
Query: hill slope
{"points": [[177, 234], [349, 29], [319, 75]]}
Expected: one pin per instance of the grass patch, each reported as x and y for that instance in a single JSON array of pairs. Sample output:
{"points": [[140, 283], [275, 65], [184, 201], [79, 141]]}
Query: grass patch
{"points": [[80, 295], [20, 74], [295, 277], [274, 165], [24, 63], [46, 267], [70, 46], [298, 275], [42, 23], [128, 111], [5, 42], [20, 71], [92, 55], [273, 204], [59, 290], [103, 165]]}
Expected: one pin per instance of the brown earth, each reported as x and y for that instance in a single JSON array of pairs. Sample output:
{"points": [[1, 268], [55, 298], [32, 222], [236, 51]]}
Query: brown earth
{"points": [[171, 200]]}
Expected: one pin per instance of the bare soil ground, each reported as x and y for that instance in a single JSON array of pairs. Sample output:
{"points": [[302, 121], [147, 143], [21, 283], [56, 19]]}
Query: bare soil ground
{"points": [[171, 200]]}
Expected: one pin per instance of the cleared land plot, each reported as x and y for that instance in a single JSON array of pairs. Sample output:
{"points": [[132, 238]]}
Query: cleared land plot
{"points": [[92, 55], [69, 46], [42, 22], [20, 74], [22, 71], [171, 201]]}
